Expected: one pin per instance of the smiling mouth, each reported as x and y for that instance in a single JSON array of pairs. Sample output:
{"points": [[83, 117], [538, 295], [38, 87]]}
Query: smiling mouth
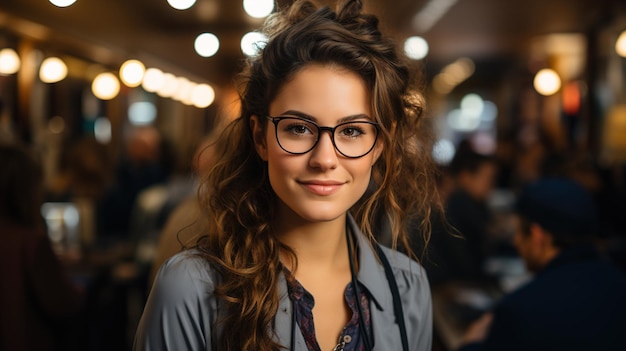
{"points": [[322, 188]]}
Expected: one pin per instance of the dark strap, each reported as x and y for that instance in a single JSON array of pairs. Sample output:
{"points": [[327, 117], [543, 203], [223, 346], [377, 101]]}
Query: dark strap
{"points": [[397, 303], [355, 287]]}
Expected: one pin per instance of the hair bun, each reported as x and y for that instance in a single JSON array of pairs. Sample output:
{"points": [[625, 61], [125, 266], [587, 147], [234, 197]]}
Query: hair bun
{"points": [[301, 10], [350, 15]]}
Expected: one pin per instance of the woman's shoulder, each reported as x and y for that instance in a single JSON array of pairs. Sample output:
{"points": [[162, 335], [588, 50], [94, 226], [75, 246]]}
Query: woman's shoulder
{"points": [[409, 274], [400, 262], [186, 272], [414, 297], [181, 307]]}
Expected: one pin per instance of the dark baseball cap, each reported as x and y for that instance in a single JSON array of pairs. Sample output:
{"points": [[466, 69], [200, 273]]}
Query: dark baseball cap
{"points": [[559, 205]]}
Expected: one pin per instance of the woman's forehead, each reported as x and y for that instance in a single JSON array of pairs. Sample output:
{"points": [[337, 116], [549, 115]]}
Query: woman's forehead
{"points": [[323, 92]]}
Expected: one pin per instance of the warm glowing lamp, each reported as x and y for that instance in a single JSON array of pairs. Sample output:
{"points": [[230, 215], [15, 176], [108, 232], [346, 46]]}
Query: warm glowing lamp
{"points": [[153, 80], [184, 89], [105, 86], [169, 86], [132, 72], [258, 8], [52, 70], [415, 47], [547, 82], [252, 42], [202, 95], [181, 4], [186, 96], [9, 61], [62, 3], [620, 44], [206, 44], [571, 98]]}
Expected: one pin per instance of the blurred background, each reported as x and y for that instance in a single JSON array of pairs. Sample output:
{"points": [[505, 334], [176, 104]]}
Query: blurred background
{"points": [[115, 97]]}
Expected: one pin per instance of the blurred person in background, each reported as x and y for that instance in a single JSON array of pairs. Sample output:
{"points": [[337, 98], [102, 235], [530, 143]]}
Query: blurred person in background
{"points": [[83, 172], [141, 166], [185, 224], [39, 304], [81, 177], [457, 254], [576, 300], [154, 203], [612, 201]]}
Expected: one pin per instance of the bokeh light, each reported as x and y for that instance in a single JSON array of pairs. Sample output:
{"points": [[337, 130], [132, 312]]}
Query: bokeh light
{"points": [[202, 95], [102, 130], [252, 42], [206, 44], [547, 82], [142, 113], [415, 47], [181, 4], [105, 86], [443, 151], [132, 72], [258, 8], [62, 3], [52, 70], [153, 80], [9, 61], [620, 44], [169, 86]]}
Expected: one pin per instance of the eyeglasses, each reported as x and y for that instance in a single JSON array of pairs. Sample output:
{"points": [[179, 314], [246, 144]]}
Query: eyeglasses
{"points": [[298, 136]]}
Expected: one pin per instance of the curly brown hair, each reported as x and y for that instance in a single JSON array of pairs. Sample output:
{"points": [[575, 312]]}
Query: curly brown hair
{"points": [[236, 193]]}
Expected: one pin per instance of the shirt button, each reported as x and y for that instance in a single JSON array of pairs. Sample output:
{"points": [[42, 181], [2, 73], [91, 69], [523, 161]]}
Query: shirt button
{"points": [[347, 339]]}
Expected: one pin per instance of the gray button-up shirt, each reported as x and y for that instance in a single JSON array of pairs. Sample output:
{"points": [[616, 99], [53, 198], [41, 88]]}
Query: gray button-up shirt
{"points": [[181, 309]]}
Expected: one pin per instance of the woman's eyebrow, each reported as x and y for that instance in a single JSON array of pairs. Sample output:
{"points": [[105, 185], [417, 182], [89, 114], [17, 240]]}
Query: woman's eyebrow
{"points": [[298, 114], [309, 117], [354, 117]]}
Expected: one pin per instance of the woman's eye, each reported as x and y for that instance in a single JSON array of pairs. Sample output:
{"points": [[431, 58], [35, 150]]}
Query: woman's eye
{"points": [[351, 131], [299, 129]]}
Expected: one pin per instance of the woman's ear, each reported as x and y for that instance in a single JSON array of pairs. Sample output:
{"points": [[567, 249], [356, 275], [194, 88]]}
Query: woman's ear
{"points": [[258, 135]]}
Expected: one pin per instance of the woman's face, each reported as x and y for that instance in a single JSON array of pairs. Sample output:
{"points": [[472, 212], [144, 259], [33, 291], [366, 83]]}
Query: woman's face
{"points": [[320, 185]]}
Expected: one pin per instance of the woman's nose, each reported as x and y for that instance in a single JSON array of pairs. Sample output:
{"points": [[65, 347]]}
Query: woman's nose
{"points": [[324, 154]]}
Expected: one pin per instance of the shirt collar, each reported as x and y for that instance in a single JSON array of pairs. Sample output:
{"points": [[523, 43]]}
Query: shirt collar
{"points": [[371, 274]]}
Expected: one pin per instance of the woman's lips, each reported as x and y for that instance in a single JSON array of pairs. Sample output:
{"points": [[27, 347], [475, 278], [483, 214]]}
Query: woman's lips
{"points": [[322, 188]]}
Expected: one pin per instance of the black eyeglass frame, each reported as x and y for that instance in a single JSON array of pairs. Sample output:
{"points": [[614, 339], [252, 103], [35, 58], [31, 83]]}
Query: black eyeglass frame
{"points": [[276, 119]]}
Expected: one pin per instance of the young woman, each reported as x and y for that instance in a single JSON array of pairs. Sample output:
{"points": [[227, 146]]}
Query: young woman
{"points": [[331, 136]]}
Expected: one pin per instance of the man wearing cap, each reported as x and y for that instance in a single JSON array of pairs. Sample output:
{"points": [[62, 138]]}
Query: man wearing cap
{"points": [[576, 300]]}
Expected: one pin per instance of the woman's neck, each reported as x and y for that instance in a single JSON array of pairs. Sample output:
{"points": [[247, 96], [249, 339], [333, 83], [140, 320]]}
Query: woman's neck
{"points": [[318, 246]]}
